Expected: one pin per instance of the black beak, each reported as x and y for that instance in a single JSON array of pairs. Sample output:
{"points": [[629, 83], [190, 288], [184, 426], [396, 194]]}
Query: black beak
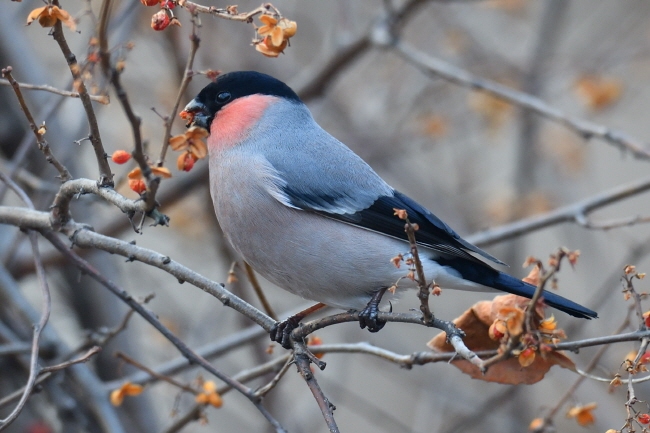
{"points": [[199, 114]]}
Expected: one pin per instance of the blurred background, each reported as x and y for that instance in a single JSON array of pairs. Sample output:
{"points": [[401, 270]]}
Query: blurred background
{"points": [[475, 161]]}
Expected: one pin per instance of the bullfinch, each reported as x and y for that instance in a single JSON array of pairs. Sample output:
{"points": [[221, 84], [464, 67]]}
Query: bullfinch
{"points": [[311, 216]]}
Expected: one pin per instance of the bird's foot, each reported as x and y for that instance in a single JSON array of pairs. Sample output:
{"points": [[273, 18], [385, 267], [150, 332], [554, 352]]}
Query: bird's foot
{"points": [[369, 316], [281, 331]]}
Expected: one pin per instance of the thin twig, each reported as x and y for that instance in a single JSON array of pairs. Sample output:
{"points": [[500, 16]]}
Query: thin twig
{"points": [[34, 369], [124, 357], [423, 292], [60, 214], [303, 363], [572, 212], [250, 273], [83, 358], [113, 76], [226, 14], [43, 146], [262, 391], [153, 320], [102, 99], [46, 372], [586, 129], [105, 175], [194, 414], [548, 418], [187, 77]]}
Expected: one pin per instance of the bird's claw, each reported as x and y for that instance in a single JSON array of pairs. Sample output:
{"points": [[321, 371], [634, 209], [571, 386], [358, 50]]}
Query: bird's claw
{"points": [[369, 317], [281, 331]]}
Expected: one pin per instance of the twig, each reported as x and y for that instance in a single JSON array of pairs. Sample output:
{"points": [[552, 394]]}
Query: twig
{"points": [[613, 223], [246, 17], [43, 146], [46, 372], [14, 348], [102, 99], [300, 353], [45, 311], [113, 76], [83, 237], [74, 188], [124, 357], [423, 293], [548, 418], [38, 328], [193, 414], [250, 273], [262, 391], [314, 83], [105, 175], [187, 77], [209, 351], [83, 358], [153, 320], [586, 129], [572, 212]]}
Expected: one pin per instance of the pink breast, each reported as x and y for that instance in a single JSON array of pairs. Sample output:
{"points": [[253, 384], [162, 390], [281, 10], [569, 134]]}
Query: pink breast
{"points": [[232, 123]]}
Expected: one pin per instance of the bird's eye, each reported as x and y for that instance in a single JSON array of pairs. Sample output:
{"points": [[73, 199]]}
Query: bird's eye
{"points": [[223, 97]]}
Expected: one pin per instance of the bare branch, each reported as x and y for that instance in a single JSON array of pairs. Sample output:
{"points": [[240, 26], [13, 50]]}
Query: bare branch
{"points": [[433, 66], [105, 175], [187, 77], [83, 358], [302, 359], [43, 146], [34, 369], [153, 320], [102, 99], [113, 75], [572, 212], [228, 14]]}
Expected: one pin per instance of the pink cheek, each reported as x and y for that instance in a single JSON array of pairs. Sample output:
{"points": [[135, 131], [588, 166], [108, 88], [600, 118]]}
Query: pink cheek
{"points": [[232, 123]]}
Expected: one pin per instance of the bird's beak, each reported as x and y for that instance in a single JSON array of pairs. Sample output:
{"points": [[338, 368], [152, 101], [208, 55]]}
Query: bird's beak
{"points": [[196, 114]]}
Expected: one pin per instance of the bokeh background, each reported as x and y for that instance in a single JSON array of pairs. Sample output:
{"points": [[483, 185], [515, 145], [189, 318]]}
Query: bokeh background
{"points": [[474, 160]]}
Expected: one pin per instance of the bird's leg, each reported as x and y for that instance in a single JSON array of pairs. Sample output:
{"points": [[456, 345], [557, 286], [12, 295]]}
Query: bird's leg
{"points": [[368, 317], [281, 331]]}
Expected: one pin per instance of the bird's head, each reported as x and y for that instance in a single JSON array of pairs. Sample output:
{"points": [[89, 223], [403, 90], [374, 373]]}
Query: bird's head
{"points": [[247, 90]]}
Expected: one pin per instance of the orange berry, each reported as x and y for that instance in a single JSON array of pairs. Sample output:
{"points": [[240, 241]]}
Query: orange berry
{"points": [[160, 20], [137, 185], [185, 161], [150, 2], [526, 357], [643, 418], [120, 156]]}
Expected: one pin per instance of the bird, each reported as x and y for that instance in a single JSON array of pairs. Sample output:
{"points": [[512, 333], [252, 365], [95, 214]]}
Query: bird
{"points": [[312, 217]]}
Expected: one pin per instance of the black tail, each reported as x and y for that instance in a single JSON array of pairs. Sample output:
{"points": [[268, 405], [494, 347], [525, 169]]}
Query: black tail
{"points": [[517, 287], [481, 273]]}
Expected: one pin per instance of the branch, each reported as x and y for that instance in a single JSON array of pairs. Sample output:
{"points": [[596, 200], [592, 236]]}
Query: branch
{"points": [[43, 146], [81, 236], [187, 77], [192, 356], [102, 99], [302, 357], [34, 368], [105, 175], [575, 212], [227, 13], [433, 66], [113, 75], [74, 188]]}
